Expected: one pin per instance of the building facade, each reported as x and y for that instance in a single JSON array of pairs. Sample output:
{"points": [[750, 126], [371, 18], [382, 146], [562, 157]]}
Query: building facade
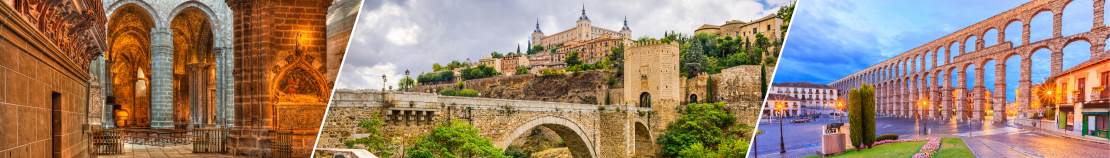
{"points": [[812, 98], [769, 26], [1082, 101], [781, 105], [590, 42]]}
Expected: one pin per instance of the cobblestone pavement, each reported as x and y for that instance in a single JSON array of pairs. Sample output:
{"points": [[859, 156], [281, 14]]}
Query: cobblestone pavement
{"points": [[145, 151], [1033, 143]]}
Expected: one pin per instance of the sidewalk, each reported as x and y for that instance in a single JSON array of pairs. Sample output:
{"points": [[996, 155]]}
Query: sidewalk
{"points": [[989, 148], [1060, 133]]}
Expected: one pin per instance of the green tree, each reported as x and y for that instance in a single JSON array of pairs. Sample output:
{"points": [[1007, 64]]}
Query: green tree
{"points": [[616, 55], [521, 70], [436, 77], [454, 139], [437, 67], [572, 59], [406, 83], [480, 71], [374, 141], [861, 116], [495, 54], [693, 61], [702, 130], [535, 49]]}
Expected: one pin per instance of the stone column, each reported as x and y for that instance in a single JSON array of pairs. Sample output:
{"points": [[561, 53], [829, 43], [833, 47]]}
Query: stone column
{"points": [[978, 94], [946, 95], [999, 95], [1025, 93], [161, 86], [224, 89], [961, 96], [934, 98]]}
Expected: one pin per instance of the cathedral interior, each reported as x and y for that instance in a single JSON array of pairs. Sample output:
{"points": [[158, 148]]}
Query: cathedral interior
{"points": [[224, 77]]}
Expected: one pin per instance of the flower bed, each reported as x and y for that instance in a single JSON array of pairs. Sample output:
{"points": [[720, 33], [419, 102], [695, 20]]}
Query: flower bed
{"points": [[927, 150]]}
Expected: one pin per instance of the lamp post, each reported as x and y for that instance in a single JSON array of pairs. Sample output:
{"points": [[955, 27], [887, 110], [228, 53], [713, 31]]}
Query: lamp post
{"points": [[840, 107], [781, 108], [924, 124]]}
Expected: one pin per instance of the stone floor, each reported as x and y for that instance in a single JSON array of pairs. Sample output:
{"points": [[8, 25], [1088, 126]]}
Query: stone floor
{"points": [[145, 151]]}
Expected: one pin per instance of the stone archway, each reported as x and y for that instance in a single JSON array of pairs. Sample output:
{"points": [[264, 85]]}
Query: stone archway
{"points": [[572, 134], [193, 68], [693, 98], [645, 100], [644, 145], [129, 66]]}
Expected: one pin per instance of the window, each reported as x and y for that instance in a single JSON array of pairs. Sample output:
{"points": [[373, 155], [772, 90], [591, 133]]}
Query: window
{"points": [[645, 100]]}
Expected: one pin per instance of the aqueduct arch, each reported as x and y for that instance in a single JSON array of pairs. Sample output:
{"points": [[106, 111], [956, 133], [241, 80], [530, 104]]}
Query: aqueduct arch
{"points": [[959, 61], [573, 134]]}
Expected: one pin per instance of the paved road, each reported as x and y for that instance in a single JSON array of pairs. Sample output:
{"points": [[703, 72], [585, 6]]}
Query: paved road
{"points": [[986, 139]]}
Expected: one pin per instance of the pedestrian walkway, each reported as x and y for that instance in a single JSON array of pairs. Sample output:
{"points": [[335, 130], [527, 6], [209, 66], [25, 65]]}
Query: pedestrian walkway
{"points": [[989, 148], [146, 151]]}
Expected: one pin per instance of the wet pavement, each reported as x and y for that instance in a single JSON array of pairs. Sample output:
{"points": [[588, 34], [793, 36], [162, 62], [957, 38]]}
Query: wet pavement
{"points": [[984, 138]]}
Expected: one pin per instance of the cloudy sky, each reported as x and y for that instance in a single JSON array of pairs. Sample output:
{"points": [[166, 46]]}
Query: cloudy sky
{"points": [[397, 35], [847, 36]]}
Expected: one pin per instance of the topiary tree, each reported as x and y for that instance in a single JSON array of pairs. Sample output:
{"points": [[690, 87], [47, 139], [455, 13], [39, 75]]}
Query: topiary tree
{"points": [[861, 116], [454, 139]]}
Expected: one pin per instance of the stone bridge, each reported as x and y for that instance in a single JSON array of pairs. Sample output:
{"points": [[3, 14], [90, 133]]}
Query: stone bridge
{"points": [[588, 130], [933, 78]]}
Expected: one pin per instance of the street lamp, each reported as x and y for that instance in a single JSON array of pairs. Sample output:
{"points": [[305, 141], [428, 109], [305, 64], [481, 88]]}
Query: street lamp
{"points": [[840, 106], [780, 107], [925, 125]]}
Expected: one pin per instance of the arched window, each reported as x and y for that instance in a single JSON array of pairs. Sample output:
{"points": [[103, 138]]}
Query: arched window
{"points": [[645, 100], [693, 98]]}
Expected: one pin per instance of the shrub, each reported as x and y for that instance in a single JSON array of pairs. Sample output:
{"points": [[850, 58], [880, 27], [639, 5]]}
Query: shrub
{"points": [[886, 137], [462, 93]]}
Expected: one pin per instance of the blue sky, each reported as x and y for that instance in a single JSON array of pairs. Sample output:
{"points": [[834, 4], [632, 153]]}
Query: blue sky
{"points": [[830, 39]]}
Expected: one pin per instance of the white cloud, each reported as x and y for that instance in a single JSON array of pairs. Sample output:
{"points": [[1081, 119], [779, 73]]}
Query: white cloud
{"points": [[361, 77], [403, 36]]}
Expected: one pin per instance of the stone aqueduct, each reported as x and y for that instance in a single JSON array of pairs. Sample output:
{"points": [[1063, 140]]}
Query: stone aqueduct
{"points": [[909, 81], [588, 130]]}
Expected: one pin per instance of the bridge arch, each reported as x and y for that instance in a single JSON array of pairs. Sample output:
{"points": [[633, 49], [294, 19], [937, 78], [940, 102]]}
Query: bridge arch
{"points": [[572, 134]]}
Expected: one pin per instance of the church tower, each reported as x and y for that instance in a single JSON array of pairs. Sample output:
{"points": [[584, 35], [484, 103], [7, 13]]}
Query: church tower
{"points": [[537, 35], [583, 25], [627, 33]]}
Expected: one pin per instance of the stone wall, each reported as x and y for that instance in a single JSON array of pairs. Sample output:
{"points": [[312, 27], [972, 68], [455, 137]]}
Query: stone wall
{"points": [[280, 71], [739, 87], [583, 87], [43, 93]]}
